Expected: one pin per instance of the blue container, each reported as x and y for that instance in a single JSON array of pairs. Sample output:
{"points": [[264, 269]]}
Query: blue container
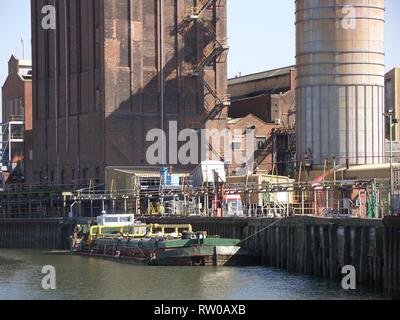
{"points": [[164, 176], [175, 181]]}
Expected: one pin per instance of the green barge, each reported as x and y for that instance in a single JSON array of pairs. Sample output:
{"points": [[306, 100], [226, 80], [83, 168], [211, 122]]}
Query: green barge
{"points": [[161, 245]]}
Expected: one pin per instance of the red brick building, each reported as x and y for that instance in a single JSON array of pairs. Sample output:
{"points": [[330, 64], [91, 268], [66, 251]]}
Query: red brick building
{"points": [[263, 144], [114, 69], [265, 101], [17, 120]]}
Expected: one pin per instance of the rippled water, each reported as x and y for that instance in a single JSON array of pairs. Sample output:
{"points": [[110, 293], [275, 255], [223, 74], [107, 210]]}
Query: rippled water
{"points": [[85, 278]]}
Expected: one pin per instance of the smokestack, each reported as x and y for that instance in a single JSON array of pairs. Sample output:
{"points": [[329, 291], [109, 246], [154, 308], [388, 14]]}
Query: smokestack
{"points": [[340, 81]]}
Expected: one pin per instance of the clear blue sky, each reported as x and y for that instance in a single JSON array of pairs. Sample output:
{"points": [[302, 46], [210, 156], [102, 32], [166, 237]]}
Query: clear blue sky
{"points": [[261, 34]]}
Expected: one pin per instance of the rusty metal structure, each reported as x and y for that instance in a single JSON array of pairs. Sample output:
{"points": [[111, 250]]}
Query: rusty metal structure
{"points": [[114, 69]]}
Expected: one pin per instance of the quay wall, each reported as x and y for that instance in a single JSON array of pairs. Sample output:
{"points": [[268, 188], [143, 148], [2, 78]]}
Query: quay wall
{"points": [[318, 247], [34, 233]]}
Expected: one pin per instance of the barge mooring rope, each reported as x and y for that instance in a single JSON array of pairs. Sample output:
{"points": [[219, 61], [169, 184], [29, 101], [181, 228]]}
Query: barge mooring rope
{"points": [[262, 230], [258, 232]]}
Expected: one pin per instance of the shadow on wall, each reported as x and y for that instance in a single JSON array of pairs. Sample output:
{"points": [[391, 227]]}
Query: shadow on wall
{"points": [[128, 125]]}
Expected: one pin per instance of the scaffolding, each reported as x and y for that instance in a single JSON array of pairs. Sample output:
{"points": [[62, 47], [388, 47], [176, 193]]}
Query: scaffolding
{"points": [[12, 135]]}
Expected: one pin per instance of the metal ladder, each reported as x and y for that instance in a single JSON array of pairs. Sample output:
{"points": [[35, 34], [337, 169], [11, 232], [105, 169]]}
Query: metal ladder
{"points": [[210, 54]]}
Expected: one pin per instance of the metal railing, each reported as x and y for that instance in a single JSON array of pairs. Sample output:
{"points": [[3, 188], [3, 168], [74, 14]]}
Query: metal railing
{"points": [[16, 118]]}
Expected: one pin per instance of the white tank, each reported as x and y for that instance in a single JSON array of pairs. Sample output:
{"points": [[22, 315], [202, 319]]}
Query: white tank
{"points": [[340, 81]]}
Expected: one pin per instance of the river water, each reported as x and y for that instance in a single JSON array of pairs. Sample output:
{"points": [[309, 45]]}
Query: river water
{"points": [[85, 278]]}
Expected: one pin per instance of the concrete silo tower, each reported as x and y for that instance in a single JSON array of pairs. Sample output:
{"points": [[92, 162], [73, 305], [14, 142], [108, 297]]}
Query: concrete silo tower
{"points": [[340, 94]]}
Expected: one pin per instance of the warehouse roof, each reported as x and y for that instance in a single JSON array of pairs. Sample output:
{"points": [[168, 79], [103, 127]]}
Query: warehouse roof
{"points": [[260, 75]]}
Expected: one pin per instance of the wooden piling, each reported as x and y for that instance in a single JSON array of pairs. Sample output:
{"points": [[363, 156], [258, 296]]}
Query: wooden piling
{"points": [[356, 244], [307, 250], [325, 253], [396, 261], [316, 251], [363, 270], [333, 265], [347, 247]]}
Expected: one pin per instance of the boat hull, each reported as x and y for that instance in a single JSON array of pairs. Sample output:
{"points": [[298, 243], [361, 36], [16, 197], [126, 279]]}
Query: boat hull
{"points": [[221, 252]]}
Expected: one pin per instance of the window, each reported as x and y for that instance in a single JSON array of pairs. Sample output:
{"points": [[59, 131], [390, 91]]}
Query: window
{"points": [[16, 107], [261, 143], [11, 108], [111, 220], [237, 145], [124, 219], [21, 107]]}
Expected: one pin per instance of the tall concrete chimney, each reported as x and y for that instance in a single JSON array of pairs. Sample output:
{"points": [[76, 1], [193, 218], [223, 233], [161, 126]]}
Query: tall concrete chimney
{"points": [[340, 81]]}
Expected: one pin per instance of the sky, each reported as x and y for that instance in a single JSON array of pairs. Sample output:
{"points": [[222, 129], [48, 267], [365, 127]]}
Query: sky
{"points": [[261, 34]]}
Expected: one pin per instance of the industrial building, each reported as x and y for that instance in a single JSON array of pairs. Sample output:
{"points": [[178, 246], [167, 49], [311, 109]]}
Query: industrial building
{"points": [[269, 95], [265, 101], [263, 143], [340, 82], [113, 70], [16, 126]]}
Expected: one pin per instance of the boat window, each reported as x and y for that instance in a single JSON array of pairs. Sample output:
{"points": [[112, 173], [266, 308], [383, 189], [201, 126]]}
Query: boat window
{"points": [[111, 219], [124, 219], [157, 230]]}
